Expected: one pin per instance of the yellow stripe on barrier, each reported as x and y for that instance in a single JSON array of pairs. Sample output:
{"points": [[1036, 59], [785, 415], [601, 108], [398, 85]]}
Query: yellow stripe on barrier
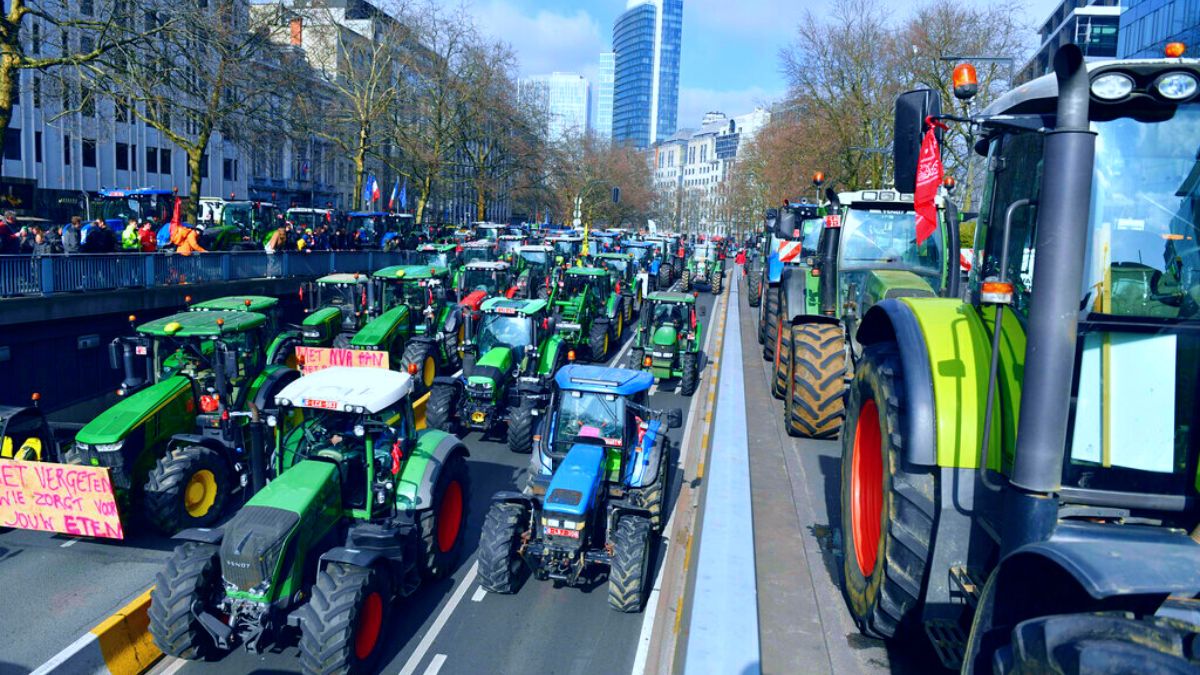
{"points": [[419, 406], [125, 640]]}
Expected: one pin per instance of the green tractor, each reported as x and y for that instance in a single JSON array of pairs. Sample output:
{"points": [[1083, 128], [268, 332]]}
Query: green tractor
{"points": [[668, 338], [440, 255], [362, 511], [567, 247], [338, 307], [536, 271], [479, 251], [588, 310], [507, 247], [1019, 469], [280, 350], [508, 361], [706, 266], [174, 443], [866, 253], [628, 280], [438, 325]]}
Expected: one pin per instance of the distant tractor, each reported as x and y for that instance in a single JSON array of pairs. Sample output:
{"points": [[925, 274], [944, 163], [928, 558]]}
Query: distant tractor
{"points": [[597, 491], [706, 266], [363, 510], [588, 310], [536, 271]]}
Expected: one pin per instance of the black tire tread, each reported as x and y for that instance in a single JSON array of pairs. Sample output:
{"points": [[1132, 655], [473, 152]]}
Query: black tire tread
{"points": [[627, 573], [175, 629], [439, 409], [520, 428], [327, 629], [499, 562], [416, 351], [689, 363], [816, 406], [163, 494]]}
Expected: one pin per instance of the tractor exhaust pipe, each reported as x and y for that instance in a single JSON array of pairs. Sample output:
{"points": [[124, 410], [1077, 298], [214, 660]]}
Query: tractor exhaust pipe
{"points": [[1062, 225]]}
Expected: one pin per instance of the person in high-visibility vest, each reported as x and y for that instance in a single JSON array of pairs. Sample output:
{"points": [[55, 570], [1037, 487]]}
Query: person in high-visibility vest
{"points": [[130, 240]]}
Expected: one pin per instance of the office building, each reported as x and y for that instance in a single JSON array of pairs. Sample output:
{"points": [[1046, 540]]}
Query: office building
{"points": [[563, 98], [603, 96], [1148, 25], [646, 41], [1091, 24]]}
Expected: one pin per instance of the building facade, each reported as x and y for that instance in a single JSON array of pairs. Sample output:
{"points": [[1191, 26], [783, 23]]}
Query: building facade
{"points": [[1091, 24], [1148, 25], [647, 43], [603, 96], [564, 99]]}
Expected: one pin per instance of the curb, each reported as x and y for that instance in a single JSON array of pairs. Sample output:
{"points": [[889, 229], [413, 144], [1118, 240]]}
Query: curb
{"points": [[119, 645]]}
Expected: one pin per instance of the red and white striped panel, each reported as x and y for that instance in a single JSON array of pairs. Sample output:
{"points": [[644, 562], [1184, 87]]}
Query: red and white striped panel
{"points": [[789, 250]]}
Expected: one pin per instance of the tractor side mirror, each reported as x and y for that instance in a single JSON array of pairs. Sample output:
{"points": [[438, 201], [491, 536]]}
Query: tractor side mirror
{"points": [[912, 108], [831, 196], [674, 418], [114, 354], [785, 225]]}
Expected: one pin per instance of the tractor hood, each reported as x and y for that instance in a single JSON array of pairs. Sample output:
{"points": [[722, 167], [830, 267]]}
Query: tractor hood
{"points": [[886, 284], [323, 316], [492, 367], [311, 483], [380, 329], [574, 484], [117, 422], [665, 336]]}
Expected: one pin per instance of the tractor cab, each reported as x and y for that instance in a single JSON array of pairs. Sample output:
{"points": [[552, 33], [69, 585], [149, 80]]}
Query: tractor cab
{"points": [[508, 245], [438, 255], [423, 287], [488, 231], [878, 255], [668, 339], [577, 280], [566, 248], [491, 277], [204, 347], [536, 270], [359, 420], [338, 307], [26, 435], [266, 305], [116, 207], [641, 252], [253, 219], [479, 250]]}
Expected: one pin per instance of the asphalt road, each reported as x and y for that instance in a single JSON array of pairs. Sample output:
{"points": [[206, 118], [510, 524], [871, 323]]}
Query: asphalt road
{"points": [[455, 626]]}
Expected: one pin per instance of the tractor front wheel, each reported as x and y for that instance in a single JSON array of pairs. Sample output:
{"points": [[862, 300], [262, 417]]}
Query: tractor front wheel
{"points": [[716, 281], [690, 365], [499, 542], [346, 615], [190, 582], [630, 564], [439, 411], [887, 507], [636, 356], [754, 288], [445, 521], [422, 357], [598, 337], [187, 488], [815, 404], [520, 427]]}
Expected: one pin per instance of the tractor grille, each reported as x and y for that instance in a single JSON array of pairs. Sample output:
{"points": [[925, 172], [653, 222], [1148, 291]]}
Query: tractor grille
{"points": [[252, 544]]}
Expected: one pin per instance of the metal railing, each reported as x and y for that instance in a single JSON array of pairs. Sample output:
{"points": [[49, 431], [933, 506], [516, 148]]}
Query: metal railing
{"points": [[23, 275]]}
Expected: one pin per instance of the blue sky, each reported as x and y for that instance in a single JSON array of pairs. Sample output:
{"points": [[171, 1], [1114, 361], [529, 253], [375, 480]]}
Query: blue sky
{"points": [[730, 47]]}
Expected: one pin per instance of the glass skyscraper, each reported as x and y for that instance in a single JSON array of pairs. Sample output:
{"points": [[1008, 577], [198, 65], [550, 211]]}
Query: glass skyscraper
{"points": [[646, 40], [603, 118], [1148, 25], [564, 99]]}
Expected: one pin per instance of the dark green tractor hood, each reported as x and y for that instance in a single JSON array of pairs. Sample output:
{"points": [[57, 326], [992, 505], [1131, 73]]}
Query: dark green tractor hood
{"points": [[311, 483], [115, 423], [493, 367], [665, 336]]}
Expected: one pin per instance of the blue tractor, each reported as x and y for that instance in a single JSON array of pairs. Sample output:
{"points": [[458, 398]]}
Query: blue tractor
{"points": [[596, 494]]}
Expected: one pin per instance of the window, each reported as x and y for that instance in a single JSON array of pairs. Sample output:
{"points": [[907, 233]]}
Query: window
{"points": [[133, 158], [37, 146], [1018, 176], [89, 153], [66, 150], [204, 165], [122, 156], [35, 40], [86, 7], [164, 160], [151, 159], [37, 91], [229, 169], [12, 144]]}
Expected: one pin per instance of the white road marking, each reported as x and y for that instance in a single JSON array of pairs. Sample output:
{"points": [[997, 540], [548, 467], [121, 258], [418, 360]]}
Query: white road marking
{"points": [[65, 544], [620, 354], [479, 594], [439, 623], [174, 665], [435, 664]]}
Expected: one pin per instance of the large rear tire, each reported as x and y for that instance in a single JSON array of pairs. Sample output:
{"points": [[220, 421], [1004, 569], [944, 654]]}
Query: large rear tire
{"points": [[754, 288], [340, 631], [598, 340], [191, 580], [499, 542], [439, 411], [815, 405], [685, 280], [770, 322], [717, 281], [423, 356], [188, 487], [1075, 644], [781, 373], [444, 523], [630, 564], [664, 276], [689, 363], [886, 507]]}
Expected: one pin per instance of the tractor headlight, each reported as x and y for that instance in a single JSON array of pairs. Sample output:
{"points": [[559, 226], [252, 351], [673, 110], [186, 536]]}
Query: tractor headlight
{"points": [[1176, 86], [359, 430], [312, 334], [1112, 86], [109, 447], [271, 421]]}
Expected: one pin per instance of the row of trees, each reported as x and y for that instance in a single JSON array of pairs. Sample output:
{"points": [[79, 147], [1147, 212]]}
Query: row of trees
{"points": [[844, 70], [409, 89]]}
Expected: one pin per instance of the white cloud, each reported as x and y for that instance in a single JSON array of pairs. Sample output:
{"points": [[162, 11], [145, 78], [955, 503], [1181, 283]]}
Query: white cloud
{"points": [[694, 102], [545, 41]]}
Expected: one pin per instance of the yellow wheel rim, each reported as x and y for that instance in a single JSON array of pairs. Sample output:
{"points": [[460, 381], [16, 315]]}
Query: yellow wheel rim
{"points": [[200, 493], [429, 371], [606, 344], [620, 324]]}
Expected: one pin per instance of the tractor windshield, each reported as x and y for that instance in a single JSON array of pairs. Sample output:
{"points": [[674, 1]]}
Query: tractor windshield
{"points": [[536, 258], [507, 246], [352, 297], [872, 238], [669, 312], [323, 433], [567, 247], [307, 219], [481, 279], [477, 254], [705, 252], [639, 253], [414, 294], [618, 266], [434, 258], [500, 330], [134, 206], [589, 415], [240, 216]]}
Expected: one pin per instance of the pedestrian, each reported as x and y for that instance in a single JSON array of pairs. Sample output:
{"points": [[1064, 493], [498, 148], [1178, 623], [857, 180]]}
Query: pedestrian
{"points": [[186, 240], [147, 237], [340, 240], [9, 243], [41, 245], [72, 236], [275, 244], [131, 240], [101, 239], [25, 239], [740, 260]]}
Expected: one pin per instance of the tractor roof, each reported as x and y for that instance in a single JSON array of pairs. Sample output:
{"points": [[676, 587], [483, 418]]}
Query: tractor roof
{"points": [[368, 214], [672, 296], [535, 248], [479, 243], [308, 209], [237, 303], [131, 192], [877, 199], [615, 256], [587, 272], [497, 265], [603, 380], [507, 306], [639, 244], [202, 324], [410, 272], [344, 388], [565, 237], [511, 237], [438, 248], [344, 278]]}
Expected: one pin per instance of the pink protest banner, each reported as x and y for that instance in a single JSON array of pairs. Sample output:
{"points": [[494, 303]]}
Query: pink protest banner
{"points": [[66, 498], [313, 359]]}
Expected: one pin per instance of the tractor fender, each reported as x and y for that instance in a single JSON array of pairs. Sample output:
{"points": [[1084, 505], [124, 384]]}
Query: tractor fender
{"points": [[945, 352], [549, 355], [448, 379], [431, 452], [289, 339], [792, 287], [774, 267], [643, 465], [511, 496], [215, 444], [203, 535], [271, 380], [350, 556]]}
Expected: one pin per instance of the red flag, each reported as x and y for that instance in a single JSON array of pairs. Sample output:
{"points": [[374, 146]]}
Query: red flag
{"points": [[176, 218], [929, 177]]}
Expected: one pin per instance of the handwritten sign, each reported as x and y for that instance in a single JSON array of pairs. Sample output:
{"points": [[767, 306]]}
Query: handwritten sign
{"points": [[66, 498], [320, 358]]}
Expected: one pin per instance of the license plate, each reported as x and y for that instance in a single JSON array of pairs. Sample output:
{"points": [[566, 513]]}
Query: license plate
{"points": [[140, 350], [559, 532]]}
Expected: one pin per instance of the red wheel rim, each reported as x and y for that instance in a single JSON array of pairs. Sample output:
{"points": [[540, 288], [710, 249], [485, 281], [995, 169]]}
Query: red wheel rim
{"points": [[449, 518], [370, 620], [866, 488]]}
